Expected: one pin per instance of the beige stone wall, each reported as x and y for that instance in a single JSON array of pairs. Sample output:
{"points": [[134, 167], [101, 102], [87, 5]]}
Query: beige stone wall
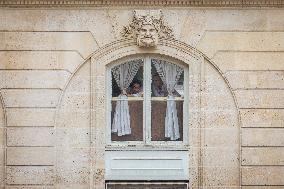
{"points": [[45, 80]]}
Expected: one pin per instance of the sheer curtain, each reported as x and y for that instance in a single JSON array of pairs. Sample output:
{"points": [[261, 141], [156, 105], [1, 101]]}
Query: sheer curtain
{"points": [[123, 75], [170, 74]]}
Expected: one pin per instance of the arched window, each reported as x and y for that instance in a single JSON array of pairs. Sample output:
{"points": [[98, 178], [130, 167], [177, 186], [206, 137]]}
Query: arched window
{"points": [[147, 101]]}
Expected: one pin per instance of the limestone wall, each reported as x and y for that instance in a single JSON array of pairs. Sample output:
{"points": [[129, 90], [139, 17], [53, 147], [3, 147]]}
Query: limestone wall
{"points": [[45, 81]]}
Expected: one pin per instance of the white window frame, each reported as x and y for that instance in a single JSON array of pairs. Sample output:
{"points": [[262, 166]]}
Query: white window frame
{"points": [[147, 105]]}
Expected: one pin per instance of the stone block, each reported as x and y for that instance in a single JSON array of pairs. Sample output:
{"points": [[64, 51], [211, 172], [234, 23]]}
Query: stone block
{"points": [[73, 165], [263, 156], [49, 60], [221, 137], [73, 186], [262, 117], [74, 118], [74, 137], [29, 187], [227, 156], [34, 79], [221, 176], [249, 61], [31, 97], [30, 156], [262, 137], [82, 42], [214, 41], [30, 116], [2, 117], [30, 136], [220, 118], [256, 79], [262, 175], [30, 175], [260, 98]]}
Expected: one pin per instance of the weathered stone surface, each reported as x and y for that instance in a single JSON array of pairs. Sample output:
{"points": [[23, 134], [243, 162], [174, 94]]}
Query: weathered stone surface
{"points": [[263, 156], [249, 61], [221, 137], [30, 187], [262, 117], [40, 60], [30, 136], [43, 48], [256, 79], [227, 156], [30, 156], [30, 175], [262, 137], [41, 98], [74, 137], [81, 42], [73, 166], [214, 41], [73, 133], [220, 176], [260, 98], [34, 79], [263, 175], [30, 116]]}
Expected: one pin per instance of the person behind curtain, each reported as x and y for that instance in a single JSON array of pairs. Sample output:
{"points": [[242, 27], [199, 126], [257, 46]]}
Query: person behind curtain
{"points": [[135, 89], [159, 89]]}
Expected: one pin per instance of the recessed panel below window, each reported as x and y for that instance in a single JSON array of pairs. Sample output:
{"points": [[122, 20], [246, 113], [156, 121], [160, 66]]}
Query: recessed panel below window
{"points": [[146, 165]]}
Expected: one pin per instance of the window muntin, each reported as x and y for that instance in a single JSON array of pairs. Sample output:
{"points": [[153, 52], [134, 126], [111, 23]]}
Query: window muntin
{"points": [[148, 111]]}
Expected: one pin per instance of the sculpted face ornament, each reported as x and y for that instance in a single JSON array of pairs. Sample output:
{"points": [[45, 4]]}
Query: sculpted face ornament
{"points": [[147, 36], [147, 27]]}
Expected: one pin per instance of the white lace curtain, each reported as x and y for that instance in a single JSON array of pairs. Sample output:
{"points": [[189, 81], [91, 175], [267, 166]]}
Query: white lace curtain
{"points": [[123, 75], [170, 74]]}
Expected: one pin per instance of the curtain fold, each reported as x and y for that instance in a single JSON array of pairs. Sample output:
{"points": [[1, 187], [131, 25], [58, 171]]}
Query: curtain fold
{"points": [[123, 75], [170, 74]]}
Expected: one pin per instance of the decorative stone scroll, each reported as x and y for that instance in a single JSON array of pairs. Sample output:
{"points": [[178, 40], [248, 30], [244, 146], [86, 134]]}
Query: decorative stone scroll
{"points": [[147, 27]]}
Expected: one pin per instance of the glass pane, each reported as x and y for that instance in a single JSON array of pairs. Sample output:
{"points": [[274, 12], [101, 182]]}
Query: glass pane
{"points": [[136, 122], [159, 109], [127, 101], [167, 79], [167, 96], [127, 78]]}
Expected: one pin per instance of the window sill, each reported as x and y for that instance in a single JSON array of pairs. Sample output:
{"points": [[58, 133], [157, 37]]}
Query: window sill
{"points": [[152, 147]]}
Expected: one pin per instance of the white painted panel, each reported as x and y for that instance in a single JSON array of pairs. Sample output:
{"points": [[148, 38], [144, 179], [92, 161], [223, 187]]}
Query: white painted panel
{"points": [[146, 165]]}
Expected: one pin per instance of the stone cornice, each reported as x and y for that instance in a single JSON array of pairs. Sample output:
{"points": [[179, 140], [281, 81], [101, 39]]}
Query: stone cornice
{"points": [[145, 3]]}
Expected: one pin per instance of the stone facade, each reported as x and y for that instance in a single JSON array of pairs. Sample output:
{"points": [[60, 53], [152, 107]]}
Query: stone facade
{"points": [[53, 61]]}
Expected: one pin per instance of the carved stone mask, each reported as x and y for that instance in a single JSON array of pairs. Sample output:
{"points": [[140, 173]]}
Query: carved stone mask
{"points": [[147, 27], [147, 36]]}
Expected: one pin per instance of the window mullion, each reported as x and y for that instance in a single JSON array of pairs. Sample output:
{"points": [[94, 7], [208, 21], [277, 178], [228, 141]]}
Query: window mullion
{"points": [[147, 94]]}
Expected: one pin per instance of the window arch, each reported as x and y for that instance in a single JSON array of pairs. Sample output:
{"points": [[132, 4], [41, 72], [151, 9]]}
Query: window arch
{"points": [[147, 101]]}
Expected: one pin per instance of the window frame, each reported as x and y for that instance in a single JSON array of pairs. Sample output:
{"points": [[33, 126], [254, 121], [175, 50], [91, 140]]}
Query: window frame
{"points": [[147, 79]]}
